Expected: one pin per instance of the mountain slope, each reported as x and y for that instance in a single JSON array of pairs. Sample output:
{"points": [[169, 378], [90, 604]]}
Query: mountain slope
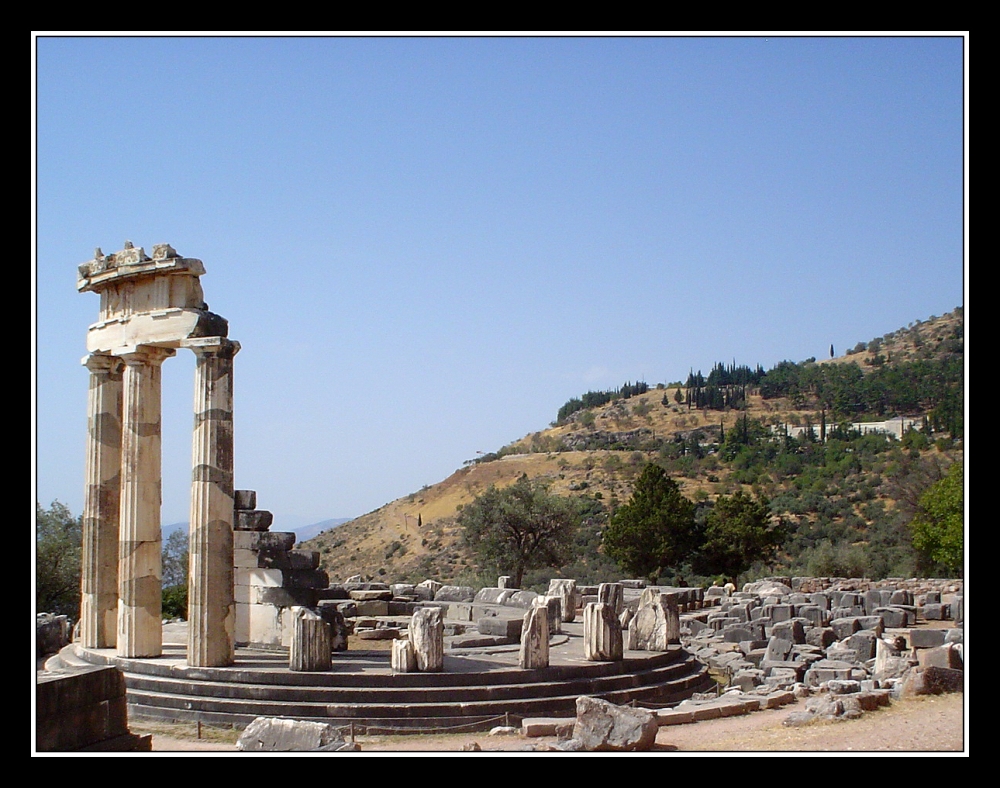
{"points": [[598, 452]]}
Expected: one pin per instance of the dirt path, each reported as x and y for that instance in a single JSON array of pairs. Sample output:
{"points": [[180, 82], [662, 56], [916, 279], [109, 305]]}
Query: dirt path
{"points": [[933, 724]]}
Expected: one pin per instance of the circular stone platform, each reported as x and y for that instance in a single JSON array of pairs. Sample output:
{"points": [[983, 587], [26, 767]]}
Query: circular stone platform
{"points": [[478, 688]]}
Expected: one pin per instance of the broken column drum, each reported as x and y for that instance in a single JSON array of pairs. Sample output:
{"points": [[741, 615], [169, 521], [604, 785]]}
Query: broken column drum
{"points": [[150, 307]]}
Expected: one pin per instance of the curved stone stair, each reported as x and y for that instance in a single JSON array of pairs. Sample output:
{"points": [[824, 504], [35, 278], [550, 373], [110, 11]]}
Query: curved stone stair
{"points": [[360, 692]]}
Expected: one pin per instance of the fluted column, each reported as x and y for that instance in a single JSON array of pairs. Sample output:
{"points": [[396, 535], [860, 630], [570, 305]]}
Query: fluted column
{"points": [[99, 576], [140, 631], [211, 605]]}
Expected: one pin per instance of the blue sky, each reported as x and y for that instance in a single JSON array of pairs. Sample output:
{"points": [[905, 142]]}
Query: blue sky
{"points": [[425, 246]]}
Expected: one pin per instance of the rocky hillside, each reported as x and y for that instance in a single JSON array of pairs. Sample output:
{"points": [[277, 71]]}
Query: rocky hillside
{"points": [[597, 453]]}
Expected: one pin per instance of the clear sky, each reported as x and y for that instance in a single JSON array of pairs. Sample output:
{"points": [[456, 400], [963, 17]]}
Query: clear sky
{"points": [[425, 246]]}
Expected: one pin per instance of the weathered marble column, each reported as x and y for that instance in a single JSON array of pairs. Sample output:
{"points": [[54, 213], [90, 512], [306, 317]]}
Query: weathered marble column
{"points": [[140, 632], [99, 577], [211, 604]]}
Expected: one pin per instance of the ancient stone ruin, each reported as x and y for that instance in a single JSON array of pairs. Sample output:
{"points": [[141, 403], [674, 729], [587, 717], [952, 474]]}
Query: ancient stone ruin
{"points": [[854, 642], [150, 307]]}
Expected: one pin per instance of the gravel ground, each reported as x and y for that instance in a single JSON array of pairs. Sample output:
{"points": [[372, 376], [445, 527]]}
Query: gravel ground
{"points": [[931, 725]]}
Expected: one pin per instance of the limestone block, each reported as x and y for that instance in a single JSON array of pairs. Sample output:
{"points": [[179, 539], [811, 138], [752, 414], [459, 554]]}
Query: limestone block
{"points": [[532, 727], [455, 594], [277, 734], [263, 540], [362, 595], [339, 630], [510, 628], [895, 617], [933, 680], [612, 594], [948, 655], [403, 658], [372, 607], [310, 647], [521, 599], [427, 636], [863, 643], [273, 578], [428, 588], [534, 651], [403, 589], [565, 589], [604, 727], [281, 597], [253, 520], [294, 560], [656, 623], [493, 596], [554, 605], [602, 634], [244, 499], [241, 633], [265, 625], [790, 630], [845, 627]]}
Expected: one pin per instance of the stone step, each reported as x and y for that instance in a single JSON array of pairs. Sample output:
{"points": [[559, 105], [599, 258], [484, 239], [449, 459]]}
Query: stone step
{"points": [[409, 714], [388, 692]]}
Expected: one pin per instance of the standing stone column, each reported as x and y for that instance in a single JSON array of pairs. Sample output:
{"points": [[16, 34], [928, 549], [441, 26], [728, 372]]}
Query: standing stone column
{"points": [[99, 576], [534, 651], [140, 632], [211, 603]]}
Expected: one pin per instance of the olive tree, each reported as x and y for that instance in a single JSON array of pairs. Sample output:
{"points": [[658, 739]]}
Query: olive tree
{"points": [[519, 527]]}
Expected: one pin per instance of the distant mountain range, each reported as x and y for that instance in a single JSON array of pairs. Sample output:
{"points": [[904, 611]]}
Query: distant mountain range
{"points": [[302, 532]]}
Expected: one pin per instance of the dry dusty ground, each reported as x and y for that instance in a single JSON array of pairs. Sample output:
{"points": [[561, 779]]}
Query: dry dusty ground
{"points": [[933, 725]]}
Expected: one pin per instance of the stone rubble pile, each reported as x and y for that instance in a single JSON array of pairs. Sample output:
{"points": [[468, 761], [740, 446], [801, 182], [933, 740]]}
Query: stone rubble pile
{"points": [[856, 643]]}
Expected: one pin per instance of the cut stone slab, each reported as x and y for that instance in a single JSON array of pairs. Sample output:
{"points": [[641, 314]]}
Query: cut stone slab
{"points": [[562, 727]]}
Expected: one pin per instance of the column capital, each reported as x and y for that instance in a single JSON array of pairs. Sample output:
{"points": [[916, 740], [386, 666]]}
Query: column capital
{"points": [[212, 346], [147, 355], [101, 362]]}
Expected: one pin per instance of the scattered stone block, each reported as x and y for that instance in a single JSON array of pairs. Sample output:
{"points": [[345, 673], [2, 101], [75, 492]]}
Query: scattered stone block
{"points": [[933, 680], [455, 594], [926, 638], [604, 727], [532, 727], [565, 589], [521, 599], [275, 734], [612, 594], [493, 596], [509, 628], [948, 655]]}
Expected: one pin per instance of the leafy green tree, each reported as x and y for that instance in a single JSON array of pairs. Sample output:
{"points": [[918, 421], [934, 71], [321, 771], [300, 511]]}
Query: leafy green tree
{"points": [[58, 544], [655, 529], [939, 525], [738, 533], [519, 527]]}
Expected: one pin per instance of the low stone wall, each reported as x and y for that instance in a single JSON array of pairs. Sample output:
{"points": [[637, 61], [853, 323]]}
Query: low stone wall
{"points": [[84, 710]]}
